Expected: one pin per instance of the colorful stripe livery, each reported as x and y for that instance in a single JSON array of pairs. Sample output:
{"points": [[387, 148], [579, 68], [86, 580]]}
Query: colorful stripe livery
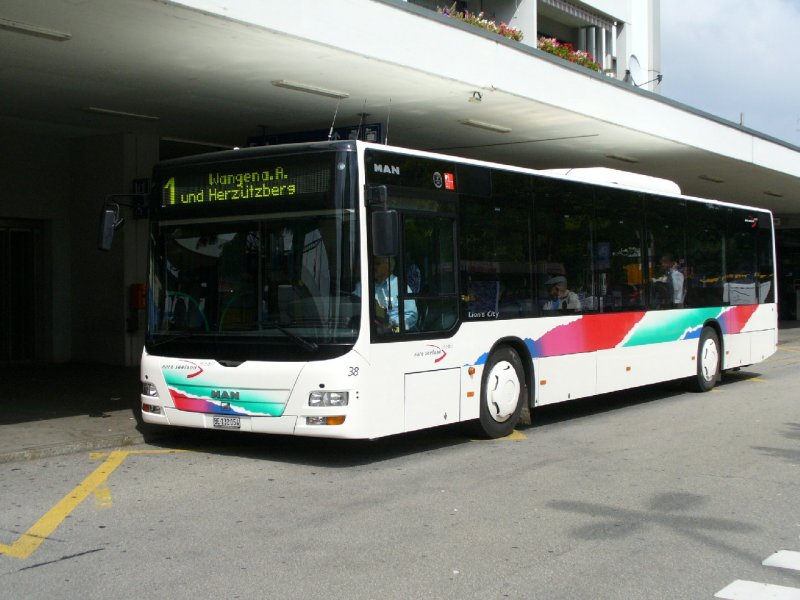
{"points": [[227, 401], [590, 333]]}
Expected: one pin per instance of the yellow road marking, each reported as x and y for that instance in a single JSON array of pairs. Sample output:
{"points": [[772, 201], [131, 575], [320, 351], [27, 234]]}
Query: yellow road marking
{"points": [[785, 349], [102, 496], [511, 437], [167, 451], [30, 541]]}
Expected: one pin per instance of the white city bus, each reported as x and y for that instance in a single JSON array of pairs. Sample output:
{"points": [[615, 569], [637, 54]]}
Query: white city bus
{"points": [[270, 309]]}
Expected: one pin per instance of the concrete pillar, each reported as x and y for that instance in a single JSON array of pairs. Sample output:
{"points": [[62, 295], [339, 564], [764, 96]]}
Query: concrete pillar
{"points": [[141, 154], [100, 280], [614, 41], [603, 58]]}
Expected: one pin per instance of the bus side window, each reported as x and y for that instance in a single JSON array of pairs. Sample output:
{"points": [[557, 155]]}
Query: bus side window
{"points": [[429, 271], [563, 251], [617, 250]]}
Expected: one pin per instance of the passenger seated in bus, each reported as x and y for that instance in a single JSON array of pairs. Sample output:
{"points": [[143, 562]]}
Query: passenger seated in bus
{"points": [[386, 298], [560, 297]]}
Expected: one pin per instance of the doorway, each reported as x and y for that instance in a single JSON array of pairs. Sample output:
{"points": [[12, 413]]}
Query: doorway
{"points": [[20, 295]]}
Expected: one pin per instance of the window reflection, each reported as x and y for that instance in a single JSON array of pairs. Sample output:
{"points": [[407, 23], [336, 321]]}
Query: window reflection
{"points": [[255, 277]]}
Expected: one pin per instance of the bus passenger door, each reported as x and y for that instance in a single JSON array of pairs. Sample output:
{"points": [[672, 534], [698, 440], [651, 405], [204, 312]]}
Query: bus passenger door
{"points": [[432, 397]]}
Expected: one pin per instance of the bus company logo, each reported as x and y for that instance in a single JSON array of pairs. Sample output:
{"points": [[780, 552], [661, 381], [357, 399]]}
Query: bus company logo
{"points": [[192, 369], [386, 169], [436, 353]]}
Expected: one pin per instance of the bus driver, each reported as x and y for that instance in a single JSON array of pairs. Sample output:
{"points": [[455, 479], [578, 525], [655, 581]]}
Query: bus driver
{"points": [[386, 297]]}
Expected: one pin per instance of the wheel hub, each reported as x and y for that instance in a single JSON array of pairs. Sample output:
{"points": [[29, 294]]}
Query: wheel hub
{"points": [[502, 391], [709, 359]]}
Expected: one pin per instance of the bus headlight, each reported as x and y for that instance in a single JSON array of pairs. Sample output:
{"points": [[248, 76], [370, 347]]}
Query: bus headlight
{"points": [[328, 398], [148, 389]]}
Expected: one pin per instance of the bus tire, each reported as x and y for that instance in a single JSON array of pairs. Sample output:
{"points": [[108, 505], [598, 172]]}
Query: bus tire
{"points": [[708, 361], [502, 393]]}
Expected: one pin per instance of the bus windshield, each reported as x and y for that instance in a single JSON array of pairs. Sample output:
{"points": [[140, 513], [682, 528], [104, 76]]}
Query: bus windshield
{"points": [[262, 278], [257, 277]]}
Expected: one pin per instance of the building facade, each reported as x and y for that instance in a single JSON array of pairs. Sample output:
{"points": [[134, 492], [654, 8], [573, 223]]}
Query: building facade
{"points": [[623, 37]]}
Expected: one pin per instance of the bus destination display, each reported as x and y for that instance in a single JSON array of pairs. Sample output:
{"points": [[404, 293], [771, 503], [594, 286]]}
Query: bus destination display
{"points": [[250, 183]]}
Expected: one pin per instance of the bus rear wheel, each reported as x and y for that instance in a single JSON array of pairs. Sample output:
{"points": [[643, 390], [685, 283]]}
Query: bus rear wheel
{"points": [[708, 361], [502, 393]]}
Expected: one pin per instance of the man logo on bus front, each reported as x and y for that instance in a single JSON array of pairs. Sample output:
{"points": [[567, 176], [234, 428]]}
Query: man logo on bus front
{"points": [[386, 169]]}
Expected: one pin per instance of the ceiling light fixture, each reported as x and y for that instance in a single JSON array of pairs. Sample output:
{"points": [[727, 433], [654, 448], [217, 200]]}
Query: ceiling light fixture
{"points": [[622, 158], [711, 178], [485, 125], [120, 113], [311, 89], [34, 30]]}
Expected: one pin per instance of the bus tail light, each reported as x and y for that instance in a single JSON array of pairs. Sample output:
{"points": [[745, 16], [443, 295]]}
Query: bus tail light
{"points": [[151, 408]]}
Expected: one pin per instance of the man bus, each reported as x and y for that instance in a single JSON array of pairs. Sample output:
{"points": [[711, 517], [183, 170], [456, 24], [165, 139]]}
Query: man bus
{"points": [[264, 310]]}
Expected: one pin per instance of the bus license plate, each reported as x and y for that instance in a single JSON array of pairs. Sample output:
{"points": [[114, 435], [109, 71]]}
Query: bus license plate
{"points": [[227, 422]]}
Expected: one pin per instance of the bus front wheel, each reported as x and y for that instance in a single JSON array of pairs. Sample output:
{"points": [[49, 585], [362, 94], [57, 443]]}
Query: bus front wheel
{"points": [[708, 360], [502, 393]]}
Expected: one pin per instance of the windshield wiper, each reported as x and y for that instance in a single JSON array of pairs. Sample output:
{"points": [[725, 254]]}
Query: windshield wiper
{"points": [[305, 344], [172, 338]]}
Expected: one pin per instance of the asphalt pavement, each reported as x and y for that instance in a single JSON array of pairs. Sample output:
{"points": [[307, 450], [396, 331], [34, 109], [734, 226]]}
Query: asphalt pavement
{"points": [[50, 410]]}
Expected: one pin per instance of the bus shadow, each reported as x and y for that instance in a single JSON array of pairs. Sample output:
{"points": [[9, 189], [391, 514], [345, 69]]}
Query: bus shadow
{"points": [[334, 453], [602, 403], [319, 452], [734, 377]]}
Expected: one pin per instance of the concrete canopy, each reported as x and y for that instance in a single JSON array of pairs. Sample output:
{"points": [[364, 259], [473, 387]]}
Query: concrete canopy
{"points": [[203, 70]]}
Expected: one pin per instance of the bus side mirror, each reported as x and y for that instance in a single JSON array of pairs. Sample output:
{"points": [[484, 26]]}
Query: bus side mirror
{"points": [[377, 194], [385, 233], [110, 221]]}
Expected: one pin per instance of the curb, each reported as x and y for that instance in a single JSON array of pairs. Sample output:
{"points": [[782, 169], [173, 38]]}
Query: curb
{"points": [[115, 441]]}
